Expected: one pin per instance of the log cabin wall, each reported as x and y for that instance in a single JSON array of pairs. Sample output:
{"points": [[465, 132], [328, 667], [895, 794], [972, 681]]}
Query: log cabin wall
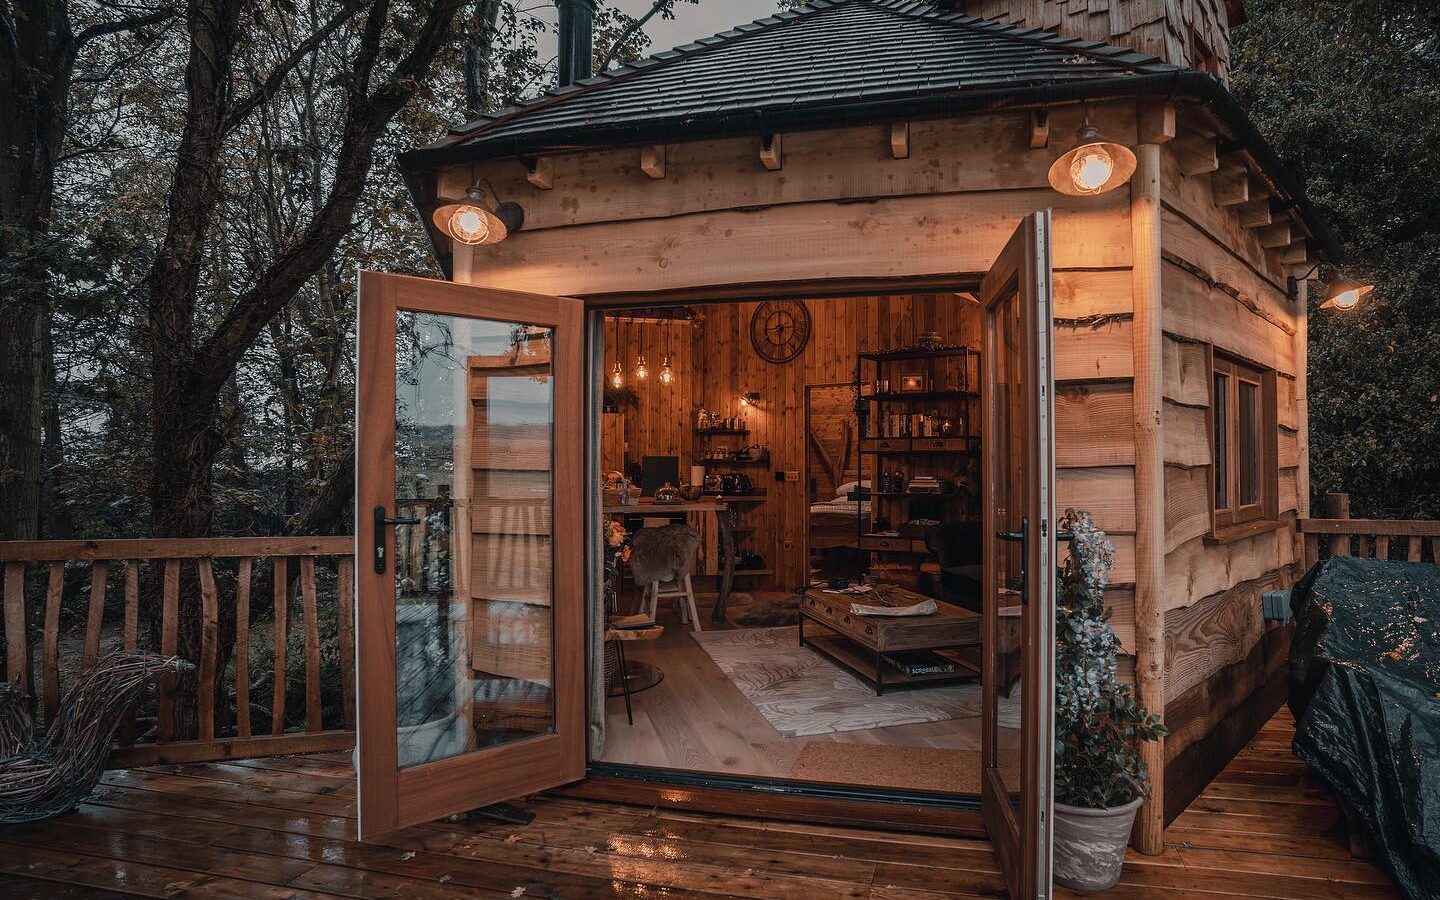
{"points": [[847, 206], [1193, 33], [1224, 290]]}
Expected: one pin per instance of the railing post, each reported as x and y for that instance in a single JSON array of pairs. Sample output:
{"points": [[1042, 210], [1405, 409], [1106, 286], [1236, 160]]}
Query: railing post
{"points": [[1337, 506]]}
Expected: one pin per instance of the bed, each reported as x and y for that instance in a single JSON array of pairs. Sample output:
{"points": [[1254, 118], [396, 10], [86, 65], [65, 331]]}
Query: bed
{"points": [[836, 522]]}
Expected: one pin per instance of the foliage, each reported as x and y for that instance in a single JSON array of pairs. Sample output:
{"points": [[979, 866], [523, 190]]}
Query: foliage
{"points": [[1098, 723], [285, 417], [1347, 92]]}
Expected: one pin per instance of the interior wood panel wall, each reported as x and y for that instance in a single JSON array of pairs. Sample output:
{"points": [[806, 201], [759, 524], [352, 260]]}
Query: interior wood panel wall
{"points": [[662, 421], [726, 365]]}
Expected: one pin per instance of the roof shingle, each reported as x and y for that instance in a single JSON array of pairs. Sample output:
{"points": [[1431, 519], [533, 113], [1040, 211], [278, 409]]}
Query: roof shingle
{"points": [[827, 53]]}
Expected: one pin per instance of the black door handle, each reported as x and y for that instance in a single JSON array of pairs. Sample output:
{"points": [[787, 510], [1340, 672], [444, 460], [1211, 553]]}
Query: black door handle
{"points": [[1021, 537], [382, 522]]}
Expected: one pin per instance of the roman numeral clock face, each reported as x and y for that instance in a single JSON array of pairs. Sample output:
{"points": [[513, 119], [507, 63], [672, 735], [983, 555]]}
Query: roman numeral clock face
{"points": [[780, 329]]}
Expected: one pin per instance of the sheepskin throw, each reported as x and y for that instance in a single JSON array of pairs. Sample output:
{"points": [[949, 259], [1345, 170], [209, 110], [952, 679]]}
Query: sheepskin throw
{"points": [[663, 554]]}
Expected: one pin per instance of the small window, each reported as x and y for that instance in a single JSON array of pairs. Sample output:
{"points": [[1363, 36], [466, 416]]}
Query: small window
{"points": [[1245, 482]]}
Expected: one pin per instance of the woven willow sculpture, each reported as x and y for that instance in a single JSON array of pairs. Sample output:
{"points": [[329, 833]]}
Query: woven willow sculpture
{"points": [[46, 777]]}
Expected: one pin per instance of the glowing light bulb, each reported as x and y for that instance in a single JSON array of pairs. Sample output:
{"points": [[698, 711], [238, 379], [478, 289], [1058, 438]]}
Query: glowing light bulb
{"points": [[642, 370], [1092, 169], [1347, 300], [617, 377], [468, 225], [667, 375]]}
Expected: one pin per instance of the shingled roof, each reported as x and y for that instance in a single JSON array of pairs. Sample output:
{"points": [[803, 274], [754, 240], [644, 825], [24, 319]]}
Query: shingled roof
{"points": [[828, 56], [834, 63]]}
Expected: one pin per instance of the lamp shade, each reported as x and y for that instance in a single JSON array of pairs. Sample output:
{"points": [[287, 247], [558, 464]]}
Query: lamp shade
{"points": [[1345, 294], [1093, 166], [471, 221]]}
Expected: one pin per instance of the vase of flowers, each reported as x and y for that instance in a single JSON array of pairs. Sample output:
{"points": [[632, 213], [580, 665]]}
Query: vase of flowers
{"points": [[1100, 779]]}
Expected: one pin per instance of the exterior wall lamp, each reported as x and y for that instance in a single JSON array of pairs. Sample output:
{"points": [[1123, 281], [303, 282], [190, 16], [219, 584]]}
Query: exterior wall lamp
{"points": [[479, 217], [1345, 294], [1093, 166]]}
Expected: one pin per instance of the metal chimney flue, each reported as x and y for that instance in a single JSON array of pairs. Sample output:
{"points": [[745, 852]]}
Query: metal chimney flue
{"points": [[577, 39]]}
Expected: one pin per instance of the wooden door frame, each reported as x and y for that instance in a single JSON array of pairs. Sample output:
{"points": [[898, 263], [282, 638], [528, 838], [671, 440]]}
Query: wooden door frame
{"points": [[919, 812], [388, 796], [1025, 852]]}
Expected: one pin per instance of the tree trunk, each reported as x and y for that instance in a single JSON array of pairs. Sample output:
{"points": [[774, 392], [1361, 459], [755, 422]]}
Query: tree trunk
{"points": [[36, 55]]}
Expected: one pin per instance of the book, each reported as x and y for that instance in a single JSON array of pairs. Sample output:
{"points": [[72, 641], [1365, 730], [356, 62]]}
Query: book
{"points": [[921, 662]]}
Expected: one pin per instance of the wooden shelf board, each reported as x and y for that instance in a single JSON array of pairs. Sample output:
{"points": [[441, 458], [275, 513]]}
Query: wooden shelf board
{"points": [[895, 397]]}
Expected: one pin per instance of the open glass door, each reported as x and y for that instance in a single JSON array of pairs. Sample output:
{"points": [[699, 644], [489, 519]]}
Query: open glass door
{"points": [[1017, 756], [470, 537]]}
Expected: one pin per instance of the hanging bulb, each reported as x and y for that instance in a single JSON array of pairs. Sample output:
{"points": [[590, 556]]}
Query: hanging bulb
{"points": [[1092, 169], [617, 376], [642, 371], [667, 374], [468, 225]]}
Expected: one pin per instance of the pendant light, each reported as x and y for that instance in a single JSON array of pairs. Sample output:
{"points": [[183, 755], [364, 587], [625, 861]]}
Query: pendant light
{"points": [[667, 374], [1093, 166], [642, 369], [617, 376]]}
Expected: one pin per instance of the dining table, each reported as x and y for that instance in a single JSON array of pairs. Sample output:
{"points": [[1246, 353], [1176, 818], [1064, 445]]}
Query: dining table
{"points": [[716, 507]]}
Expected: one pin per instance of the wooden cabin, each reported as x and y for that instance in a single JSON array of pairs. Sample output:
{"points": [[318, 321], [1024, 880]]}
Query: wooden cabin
{"points": [[877, 174]]}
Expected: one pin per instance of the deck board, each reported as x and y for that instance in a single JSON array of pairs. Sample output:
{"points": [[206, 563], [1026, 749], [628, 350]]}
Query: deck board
{"points": [[285, 827]]}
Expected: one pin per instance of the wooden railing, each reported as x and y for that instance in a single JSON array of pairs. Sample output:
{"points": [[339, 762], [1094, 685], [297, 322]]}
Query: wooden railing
{"points": [[1340, 535], [148, 575]]}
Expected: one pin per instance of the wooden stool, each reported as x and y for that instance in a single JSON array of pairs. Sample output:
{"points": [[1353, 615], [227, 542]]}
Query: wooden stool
{"points": [[615, 640], [682, 592]]}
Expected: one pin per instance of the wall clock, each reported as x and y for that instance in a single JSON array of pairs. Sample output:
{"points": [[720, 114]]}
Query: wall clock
{"points": [[780, 329]]}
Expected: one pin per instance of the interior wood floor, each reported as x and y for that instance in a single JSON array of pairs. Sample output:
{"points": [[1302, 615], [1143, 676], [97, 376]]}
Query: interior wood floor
{"points": [[696, 719], [285, 828]]}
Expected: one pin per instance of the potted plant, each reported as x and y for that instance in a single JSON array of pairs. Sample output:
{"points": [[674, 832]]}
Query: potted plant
{"points": [[1100, 780]]}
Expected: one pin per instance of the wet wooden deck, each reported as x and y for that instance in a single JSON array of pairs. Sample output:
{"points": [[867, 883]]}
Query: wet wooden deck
{"points": [[285, 828]]}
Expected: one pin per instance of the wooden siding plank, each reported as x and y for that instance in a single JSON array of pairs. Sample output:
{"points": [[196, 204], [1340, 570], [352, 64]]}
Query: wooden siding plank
{"points": [[1094, 426], [890, 238]]}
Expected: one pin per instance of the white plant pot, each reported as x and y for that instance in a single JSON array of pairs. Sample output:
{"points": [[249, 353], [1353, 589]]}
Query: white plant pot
{"points": [[1090, 844]]}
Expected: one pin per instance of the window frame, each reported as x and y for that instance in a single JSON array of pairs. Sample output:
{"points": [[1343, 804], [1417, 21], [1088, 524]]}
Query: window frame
{"points": [[1234, 517]]}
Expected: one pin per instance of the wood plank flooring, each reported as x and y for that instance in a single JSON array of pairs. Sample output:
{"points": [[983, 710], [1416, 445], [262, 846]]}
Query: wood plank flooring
{"points": [[285, 828], [697, 719]]}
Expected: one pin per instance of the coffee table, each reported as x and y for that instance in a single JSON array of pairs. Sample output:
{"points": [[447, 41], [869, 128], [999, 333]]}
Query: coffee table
{"points": [[859, 643]]}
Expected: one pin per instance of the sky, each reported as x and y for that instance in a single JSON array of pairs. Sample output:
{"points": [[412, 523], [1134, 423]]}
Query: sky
{"points": [[697, 20], [692, 20]]}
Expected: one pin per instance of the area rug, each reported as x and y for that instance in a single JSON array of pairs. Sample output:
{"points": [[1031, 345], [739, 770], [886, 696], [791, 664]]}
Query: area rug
{"points": [[802, 693], [905, 768]]}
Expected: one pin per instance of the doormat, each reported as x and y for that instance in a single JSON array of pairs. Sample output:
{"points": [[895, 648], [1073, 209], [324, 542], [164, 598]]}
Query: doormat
{"points": [[901, 768], [801, 693]]}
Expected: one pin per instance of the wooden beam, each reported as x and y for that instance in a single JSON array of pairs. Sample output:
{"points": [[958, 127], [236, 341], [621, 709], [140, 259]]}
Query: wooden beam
{"points": [[1255, 214], [1039, 129], [1231, 186], [1276, 236], [900, 140], [772, 154], [1197, 156], [652, 161], [540, 172], [1297, 254], [1148, 404], [1156, 123]]}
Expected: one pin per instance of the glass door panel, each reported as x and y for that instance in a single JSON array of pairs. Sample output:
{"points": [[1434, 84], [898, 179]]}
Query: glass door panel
{"points": [[1017, 752], [471, 615], [474, 563]]}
